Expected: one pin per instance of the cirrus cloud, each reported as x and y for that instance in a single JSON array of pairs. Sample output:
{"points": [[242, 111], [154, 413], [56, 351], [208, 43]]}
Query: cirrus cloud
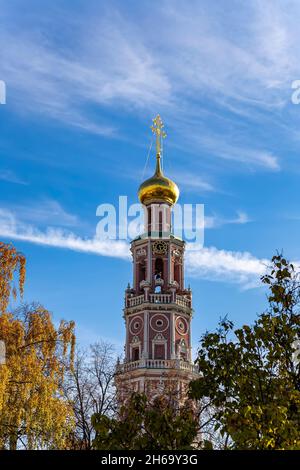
{"points": [[209, 263]]}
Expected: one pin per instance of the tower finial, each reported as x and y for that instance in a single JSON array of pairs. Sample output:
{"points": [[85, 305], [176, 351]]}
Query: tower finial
{"points": [[157, 128], [158, 188]]}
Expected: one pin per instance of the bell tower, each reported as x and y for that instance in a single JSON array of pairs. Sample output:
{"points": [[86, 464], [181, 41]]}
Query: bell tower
{"points": [[158, 307]]}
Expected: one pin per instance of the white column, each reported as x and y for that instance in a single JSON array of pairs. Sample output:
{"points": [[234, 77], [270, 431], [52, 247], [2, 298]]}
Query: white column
{"points": [[172, 327], [182, 268], [127, 340], [169, 263], [149, 262], [146, 335], [190, 341], [134, 270]]}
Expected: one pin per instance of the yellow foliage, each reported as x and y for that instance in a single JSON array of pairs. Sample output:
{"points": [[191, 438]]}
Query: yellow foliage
{"points": [[10, 262], [33, 411], [32, 407]]}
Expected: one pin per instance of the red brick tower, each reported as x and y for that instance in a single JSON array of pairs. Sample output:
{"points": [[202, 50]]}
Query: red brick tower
{"points": [[158, 307]]}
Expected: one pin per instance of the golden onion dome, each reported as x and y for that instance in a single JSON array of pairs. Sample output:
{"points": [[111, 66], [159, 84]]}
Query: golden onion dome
{"points": [[158, 188]]}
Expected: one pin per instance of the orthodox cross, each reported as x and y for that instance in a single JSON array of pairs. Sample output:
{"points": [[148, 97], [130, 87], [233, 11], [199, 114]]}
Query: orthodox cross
{"points": [[157, 128]]}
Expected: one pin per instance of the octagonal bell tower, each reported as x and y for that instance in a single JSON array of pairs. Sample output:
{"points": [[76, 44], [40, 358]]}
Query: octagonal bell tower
{"points": [[158, 307]]}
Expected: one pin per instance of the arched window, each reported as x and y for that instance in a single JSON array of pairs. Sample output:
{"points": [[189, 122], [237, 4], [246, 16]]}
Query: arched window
{"points": [[142, 273], [183, 350], [159, 351], [159, 268], [177, 273], [159, 347], [160, 223], [135, 354]]}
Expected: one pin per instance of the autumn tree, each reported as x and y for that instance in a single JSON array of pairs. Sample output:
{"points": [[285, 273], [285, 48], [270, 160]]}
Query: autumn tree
{"points": [[251, 375], [147, 425], [89, 387], [11, 263], [33, 411]]}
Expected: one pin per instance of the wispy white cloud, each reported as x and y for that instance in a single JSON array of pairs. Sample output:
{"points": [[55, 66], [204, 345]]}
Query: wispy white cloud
{"points": [[247, 66], [230, 266], [56, 237], [215, 221], [43, 212], [11, 177], [43, 82], [211, 221], [118, 61], [204, 263], [112, 66], [191, 182], [251, 156]]}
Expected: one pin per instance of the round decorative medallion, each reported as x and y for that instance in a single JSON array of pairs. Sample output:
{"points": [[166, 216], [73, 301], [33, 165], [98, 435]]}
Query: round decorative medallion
{"points": [[159, 322], [181, 326], [160, 247], [136, 325]]}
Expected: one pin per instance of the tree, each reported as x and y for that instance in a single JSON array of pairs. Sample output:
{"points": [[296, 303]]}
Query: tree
{"points": [[89, 387], [33, 411], [147, 425], [251, 374], [11, 261]]}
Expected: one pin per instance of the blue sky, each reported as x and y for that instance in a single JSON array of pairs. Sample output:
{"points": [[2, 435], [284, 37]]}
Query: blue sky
{"points": [[84, 79]]}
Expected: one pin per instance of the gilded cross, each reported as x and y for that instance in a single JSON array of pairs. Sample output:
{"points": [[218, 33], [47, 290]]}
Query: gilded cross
{"points": [[157, 128]]}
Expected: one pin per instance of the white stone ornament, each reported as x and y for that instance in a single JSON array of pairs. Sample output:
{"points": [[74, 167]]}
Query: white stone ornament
{"points": [[141, 252]]}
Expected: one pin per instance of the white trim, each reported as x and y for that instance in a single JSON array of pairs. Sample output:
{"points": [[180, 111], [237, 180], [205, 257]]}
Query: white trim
{"points": [[156, 329], [127, 338], [159, 339], [173, 352], [134, 345], [149, 257], [132, 321], [186, 324], [146, 334]]}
